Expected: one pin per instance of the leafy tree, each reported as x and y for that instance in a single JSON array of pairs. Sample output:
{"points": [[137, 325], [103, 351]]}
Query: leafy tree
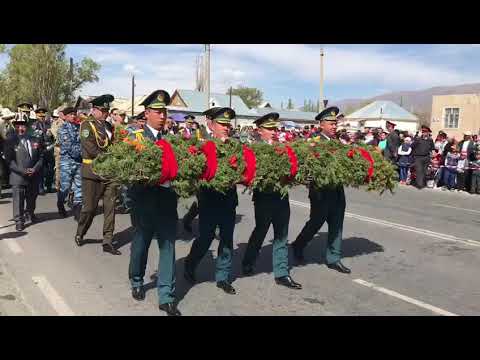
{"points": [[290, 104], [252, 97], [41, 74]]}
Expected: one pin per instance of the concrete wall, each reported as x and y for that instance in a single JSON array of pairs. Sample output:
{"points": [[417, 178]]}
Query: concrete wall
{"points": [[469, 114]]}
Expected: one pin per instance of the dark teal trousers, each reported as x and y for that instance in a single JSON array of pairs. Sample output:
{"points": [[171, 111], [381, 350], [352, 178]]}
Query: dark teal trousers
{"points": [[325, 205], [270, 209]]}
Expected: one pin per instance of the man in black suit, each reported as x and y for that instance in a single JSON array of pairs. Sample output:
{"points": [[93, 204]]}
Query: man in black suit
{"points": [[24, 157], [467, 147], [393, 143]]}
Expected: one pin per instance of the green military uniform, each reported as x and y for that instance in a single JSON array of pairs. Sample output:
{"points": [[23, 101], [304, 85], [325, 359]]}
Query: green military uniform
{"points": [[270, 209], [215, 209], [154, 212], [325, 205], [94, 141], [193, 210]]}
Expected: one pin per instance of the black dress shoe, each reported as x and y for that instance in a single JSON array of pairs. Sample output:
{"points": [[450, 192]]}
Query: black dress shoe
{"points": [[41, 192], [339, 267], [62, 212], [138, 293], [19, 227], [189, 274], [108, 248], [170, 309], [247, 270], [298, 253], [33, 219], [225, 286], [288, 282], [78, 240]]}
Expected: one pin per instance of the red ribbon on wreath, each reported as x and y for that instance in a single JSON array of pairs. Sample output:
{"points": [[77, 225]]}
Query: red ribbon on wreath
{"points": [[250, 166], [169, 162], [210, 151], [293, 161], [366, 155]]}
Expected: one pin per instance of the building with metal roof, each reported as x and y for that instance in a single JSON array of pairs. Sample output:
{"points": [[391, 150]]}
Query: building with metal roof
{"points": [[376, 114]]}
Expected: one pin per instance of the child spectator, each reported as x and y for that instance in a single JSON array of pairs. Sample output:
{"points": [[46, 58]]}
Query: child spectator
{"points": [[450, 169], [405, 159], [462, 165], [475, 165], [436, 168]]}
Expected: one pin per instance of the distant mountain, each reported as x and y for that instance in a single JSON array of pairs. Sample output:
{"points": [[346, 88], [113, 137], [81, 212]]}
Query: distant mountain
{"points": [[419, 101]]}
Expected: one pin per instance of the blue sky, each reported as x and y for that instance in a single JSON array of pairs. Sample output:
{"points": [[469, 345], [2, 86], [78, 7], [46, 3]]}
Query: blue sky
{"points": [[283, 71]]}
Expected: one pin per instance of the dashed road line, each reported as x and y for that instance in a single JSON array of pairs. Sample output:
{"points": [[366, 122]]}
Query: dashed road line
{"points": [[408, 299], [401, 226], [53, 297]]}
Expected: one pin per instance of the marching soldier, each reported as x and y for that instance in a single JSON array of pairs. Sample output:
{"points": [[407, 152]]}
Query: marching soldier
{"points": [[270, 208], [68, 139], [94, 140], [325, 205], [154, 209], [58, 121], [42, 128], [193, 210], [24, 156], [216, 209], [6, 128]]}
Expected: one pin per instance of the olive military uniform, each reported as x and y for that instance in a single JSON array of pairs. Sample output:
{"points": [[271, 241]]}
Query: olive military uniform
{"points": [[94, 141]]}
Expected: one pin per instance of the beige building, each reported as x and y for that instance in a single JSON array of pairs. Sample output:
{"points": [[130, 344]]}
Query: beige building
{"points": [[456, 114]]}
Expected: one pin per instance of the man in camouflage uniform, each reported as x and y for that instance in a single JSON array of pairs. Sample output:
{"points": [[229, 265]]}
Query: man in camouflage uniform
{"points": [[58, 120], [41, 128], [68, 138]]}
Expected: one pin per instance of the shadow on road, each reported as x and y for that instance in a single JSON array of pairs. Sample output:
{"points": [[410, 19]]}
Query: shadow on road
{"points": [[4, 202], [12, 235], [123, 237]]}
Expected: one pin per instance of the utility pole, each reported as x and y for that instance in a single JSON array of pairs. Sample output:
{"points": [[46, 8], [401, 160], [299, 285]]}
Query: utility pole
{"points": [[133, 94], [207, 68], [321, 103], [70, 73]]}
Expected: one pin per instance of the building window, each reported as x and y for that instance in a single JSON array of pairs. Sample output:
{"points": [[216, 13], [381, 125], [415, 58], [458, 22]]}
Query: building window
{"points": [[451, 118]]}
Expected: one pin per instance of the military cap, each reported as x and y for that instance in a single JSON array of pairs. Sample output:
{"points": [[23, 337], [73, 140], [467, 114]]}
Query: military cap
{"points": [[25, 107], [7, 114], [208, 113], [69, 110], [268, 121], [329, 114], [102, 102], [20, 119], [41, 111], [391, 123], [223, 115], [426, 129], [159, 99], [141, 116], [189, 118]]}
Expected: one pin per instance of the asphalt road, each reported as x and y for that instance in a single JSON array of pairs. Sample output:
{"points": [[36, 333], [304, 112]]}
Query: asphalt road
{"points": [[411, 253]]}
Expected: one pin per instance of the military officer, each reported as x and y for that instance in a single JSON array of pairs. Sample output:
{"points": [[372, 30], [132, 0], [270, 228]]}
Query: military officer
{"points": [[270, 208], [70, 163], [42, 128], [94, 140], [325, 205], [193, 210], [154, 209], [216, 209], [58, 120], [422, 148], [24, 156]]}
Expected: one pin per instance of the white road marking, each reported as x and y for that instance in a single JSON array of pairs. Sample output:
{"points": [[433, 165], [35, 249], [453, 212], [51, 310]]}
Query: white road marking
{"points": [[55, 300], [401, 227], [410, 300], [13, 245], [458, 208]]}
